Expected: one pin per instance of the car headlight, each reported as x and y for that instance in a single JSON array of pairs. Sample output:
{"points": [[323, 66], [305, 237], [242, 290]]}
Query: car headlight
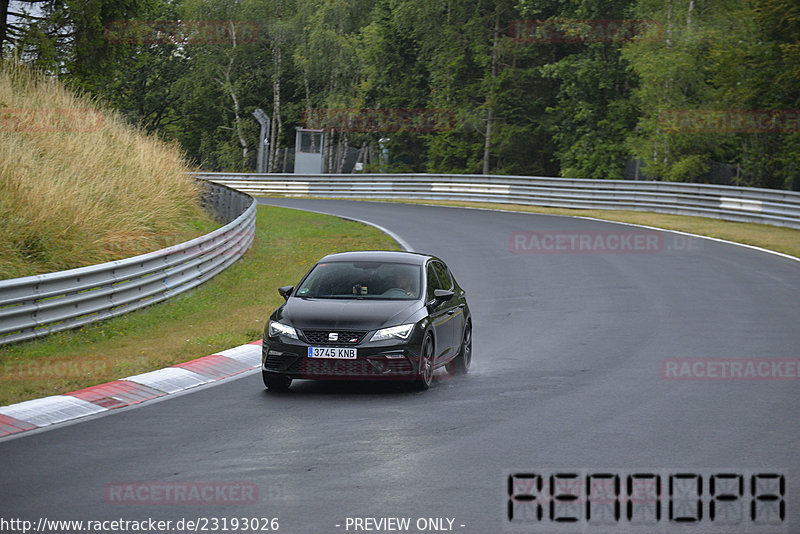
{"points": [[399, 332], [276, 328]]}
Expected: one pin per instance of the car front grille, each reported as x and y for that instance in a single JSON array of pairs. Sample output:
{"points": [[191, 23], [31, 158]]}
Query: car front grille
{"points": [[331, 368], [315, 368], [344, 337]]}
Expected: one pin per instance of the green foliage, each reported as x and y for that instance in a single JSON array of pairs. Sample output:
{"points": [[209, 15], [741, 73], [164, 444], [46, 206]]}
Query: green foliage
{"points": [[593, 112], [579, 109], [727, 56]]}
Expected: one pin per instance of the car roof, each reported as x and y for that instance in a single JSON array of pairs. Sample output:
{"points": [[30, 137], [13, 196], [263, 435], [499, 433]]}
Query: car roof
{"points": [[388, 256]]}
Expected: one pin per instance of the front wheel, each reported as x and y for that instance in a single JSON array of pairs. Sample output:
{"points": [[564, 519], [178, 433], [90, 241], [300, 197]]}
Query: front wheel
{"points": [[425, 376], [460, 364], [276, 382]]}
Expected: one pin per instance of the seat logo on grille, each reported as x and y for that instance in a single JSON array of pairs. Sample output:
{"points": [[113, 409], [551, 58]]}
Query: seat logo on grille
{"points": [[333, 336]]}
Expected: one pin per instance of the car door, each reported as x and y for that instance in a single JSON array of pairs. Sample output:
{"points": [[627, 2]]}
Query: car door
{"points": [[456, 305], [441, 316]]}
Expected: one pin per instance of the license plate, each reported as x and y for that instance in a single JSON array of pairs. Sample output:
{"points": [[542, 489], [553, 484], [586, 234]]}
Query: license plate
{"points": [[339, 353]]}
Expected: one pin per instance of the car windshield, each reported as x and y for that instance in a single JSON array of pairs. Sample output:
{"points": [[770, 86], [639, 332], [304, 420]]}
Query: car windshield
{"points": [[362, 280]]}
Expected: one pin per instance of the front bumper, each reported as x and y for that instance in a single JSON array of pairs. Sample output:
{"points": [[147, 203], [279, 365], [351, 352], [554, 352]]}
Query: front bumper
{"points": [[383, 360]]}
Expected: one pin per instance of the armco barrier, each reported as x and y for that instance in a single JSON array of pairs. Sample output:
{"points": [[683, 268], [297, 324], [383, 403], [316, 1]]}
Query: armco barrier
{"points": [[744, 204], [38, 305]]}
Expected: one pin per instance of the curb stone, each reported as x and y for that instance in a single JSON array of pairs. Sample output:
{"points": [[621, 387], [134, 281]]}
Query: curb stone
{"points": [[37, 413]]}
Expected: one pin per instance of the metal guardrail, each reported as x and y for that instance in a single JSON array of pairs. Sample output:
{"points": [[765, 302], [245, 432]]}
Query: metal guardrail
{"points": [[37, 305], [743, 204]]}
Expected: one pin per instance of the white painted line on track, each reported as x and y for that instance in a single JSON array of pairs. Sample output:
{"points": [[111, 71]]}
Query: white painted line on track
{"points": [[400, 241], [753, 247], [717, 239]]}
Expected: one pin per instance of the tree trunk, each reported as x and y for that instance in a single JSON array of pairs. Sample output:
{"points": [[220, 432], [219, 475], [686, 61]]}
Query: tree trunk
{"points": [[228, 85], [490, 114], [328, 156], [487, 141], [346, 150], [277, 62], [308, 109], [277, 125]]}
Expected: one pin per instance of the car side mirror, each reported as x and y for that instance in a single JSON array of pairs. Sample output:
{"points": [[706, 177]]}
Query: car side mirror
{"points": [[439, 296], [285, 291], [442, 295]]}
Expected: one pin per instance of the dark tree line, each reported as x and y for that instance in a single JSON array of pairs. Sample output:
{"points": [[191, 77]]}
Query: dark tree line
{"points": [[581, 89]]}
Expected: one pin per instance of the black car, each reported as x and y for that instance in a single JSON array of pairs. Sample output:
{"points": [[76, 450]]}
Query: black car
{"points": [[370, 315]]}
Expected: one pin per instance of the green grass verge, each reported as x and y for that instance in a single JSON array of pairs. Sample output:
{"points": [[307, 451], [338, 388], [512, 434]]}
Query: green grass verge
{"points": [[227, 311]]}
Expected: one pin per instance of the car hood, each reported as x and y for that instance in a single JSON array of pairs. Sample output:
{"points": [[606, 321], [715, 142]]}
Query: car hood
{"points": [[346, 314]]}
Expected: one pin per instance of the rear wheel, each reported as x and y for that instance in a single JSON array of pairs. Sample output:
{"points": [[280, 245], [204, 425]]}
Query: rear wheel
{"points": [[460, 364], [276, 382], [425, 376]]}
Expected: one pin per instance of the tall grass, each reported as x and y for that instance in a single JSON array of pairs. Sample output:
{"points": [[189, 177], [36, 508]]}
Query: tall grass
{"points": [[79, 186]]}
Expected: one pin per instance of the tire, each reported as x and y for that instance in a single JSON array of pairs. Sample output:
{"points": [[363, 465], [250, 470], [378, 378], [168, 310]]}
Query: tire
{"points": [[460, 364], [425, 374], [276, 382]]}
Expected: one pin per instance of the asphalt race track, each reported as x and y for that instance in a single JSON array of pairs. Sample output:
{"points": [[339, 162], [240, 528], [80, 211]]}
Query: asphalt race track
{"points": [[578, 367]]}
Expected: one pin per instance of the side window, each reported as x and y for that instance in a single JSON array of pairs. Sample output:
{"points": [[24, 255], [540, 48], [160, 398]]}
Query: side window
{"points": [[433, 281], [443, 274]]}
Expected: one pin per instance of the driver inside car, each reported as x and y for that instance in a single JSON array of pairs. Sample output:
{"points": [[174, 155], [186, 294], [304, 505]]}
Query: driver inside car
{"points": [[404, 283]]}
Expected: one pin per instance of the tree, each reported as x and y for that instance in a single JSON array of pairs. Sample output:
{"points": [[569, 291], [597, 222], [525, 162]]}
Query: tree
{"points": [[67, 37], [719, 58], [493, 86]]}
